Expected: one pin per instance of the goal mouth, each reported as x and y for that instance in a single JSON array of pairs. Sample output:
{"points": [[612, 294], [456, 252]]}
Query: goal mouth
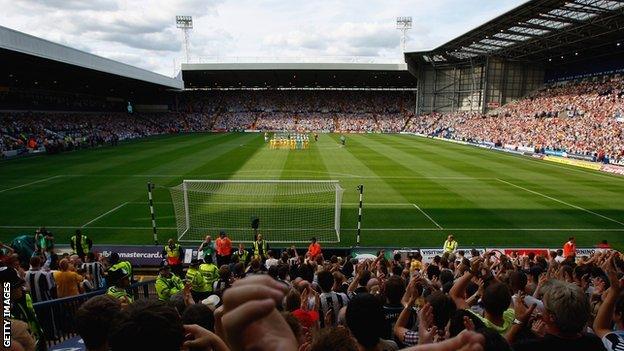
{"points": [[284, 211]]}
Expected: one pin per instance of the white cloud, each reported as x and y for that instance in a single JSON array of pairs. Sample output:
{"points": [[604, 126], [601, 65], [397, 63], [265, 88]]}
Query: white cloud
{"points": [[143, 33]]}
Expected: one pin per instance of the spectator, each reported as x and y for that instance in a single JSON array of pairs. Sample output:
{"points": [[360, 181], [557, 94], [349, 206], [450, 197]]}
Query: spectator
{"points": [[37, 281], [148, 325], [365, 319], [95, 270], [569, 248], [271, 260], [199, 314], [331, 302], [314, 249], [95, 320], [496, 300], [603, 245], [566, 314], [224, 249], [67, 281], [207, 248], [612, 309], [21, 307]]}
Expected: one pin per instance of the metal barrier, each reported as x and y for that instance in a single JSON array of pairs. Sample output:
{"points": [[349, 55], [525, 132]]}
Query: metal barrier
{"points": [[57, 317]]}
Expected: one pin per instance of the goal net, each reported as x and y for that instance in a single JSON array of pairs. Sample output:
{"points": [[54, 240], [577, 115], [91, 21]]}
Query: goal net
{"points": [[287, 211]]}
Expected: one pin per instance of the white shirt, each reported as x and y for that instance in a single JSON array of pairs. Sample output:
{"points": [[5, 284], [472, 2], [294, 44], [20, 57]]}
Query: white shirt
{"points": [[271, 262]]}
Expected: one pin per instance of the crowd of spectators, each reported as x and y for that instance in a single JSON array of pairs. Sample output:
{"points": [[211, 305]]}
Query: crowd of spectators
{"points": [[266, 300], [331, 111], [57, 132], [582, 118], [578, 118]]}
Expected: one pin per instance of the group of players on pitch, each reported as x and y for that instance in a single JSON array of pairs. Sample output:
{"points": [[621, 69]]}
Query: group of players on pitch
{"points": [[296, 141]]}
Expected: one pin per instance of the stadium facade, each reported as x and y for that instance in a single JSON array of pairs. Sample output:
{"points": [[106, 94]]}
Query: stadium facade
{"points": [[515, 53]]}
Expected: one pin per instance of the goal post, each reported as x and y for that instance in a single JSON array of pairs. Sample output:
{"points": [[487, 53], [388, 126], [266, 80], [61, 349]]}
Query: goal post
{"points": [[288, 211]]}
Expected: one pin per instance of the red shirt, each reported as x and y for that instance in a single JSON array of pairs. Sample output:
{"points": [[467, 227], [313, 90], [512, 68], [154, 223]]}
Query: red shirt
{"points": [[306, 318], [569, 249], [224, 246], [314, 250]]}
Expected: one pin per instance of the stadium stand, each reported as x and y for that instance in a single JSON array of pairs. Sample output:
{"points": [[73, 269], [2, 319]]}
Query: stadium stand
{"points": [[581, 119], [464, 297]]}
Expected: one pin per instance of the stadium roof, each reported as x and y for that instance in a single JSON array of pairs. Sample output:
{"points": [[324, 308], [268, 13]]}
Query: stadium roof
{"points": [[297, 75], [30, 62], [540, 30]]}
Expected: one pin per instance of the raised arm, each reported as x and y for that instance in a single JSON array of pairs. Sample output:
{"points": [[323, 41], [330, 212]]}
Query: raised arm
{"points": [[458, 291], [602, 322], [400, 327]]}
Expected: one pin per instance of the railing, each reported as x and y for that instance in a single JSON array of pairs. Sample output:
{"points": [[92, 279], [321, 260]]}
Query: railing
{"points": [[57, 317]]}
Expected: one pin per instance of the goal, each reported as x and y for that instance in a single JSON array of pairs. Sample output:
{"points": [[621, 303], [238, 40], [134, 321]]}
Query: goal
{"points": [[286, 211]]}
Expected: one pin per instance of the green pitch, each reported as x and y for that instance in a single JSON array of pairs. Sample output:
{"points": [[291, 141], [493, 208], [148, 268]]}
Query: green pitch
{"points": [[416, 190]]}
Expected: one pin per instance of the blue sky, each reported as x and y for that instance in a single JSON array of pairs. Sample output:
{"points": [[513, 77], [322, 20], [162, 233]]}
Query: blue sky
{"points": [[143, 33]]}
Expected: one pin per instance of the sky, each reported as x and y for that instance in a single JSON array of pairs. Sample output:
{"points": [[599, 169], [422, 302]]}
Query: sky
{"points": [[142, 33]]}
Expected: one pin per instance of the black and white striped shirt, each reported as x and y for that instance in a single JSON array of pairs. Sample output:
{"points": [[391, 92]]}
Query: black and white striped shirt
{"points": [[96, 271], [334, 301], [38, 283]]}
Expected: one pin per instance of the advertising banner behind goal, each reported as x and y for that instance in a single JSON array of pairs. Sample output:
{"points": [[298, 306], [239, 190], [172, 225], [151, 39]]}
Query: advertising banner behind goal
{"points": [[285, 211]]}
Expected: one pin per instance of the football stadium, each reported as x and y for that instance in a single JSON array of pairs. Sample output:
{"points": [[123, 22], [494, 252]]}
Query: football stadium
{"points": [[465, 197]]}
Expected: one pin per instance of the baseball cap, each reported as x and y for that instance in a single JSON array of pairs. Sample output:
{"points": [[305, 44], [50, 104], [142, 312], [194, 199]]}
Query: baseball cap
{"points": [[212, 301], [8, 274]]}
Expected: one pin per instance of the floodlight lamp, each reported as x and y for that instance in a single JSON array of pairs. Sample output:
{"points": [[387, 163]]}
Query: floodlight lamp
{"points": [[404, 22], [184, 22]]}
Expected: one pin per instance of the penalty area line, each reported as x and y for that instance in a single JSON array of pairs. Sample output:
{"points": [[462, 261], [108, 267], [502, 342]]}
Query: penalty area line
{"points": [[104, 214], [426, 215], [31, 183]]}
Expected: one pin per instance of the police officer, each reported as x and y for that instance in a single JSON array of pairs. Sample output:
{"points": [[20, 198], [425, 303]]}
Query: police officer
{"points": [[260, 248], [210, 271], [172, 252], [116, 264], [242, 254], [167, 284], [200, 288], [119, 279], [80, 244], [450, 245]]}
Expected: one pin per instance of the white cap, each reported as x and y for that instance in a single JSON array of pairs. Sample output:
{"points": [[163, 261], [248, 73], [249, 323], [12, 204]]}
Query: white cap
{"points": [[212, 301]]}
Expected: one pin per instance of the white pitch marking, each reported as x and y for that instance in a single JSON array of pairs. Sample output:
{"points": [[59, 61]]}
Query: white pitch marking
{"points": [[31, 183], [426, 215], [104, 214], [561, 201], [276, 203], [255, 173]]}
